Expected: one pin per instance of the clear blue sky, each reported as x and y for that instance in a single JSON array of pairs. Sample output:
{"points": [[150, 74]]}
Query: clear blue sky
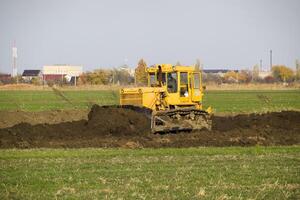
{"points": [[97, 33]]}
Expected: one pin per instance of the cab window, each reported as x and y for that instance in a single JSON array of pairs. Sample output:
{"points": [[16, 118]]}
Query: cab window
{"points": [[196, 81], [152, 79], [172, 82], [184, 89], [196, 84]]}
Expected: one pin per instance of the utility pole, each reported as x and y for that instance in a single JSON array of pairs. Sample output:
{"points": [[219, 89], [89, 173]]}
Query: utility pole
{"points": [[297, 70], [14, 60], [260, 65], [113, 77], [62, 76], [43, 79], [271, 65]]}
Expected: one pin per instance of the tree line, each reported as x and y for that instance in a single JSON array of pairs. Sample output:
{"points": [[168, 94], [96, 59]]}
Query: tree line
{"points": [[125, 76], [278, 74]]}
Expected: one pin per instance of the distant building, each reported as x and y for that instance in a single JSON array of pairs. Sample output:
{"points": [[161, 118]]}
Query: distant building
{"points": [[127, 69], [5, 78], [219, 72], [264, 74], [28, 75], [60, 72]]}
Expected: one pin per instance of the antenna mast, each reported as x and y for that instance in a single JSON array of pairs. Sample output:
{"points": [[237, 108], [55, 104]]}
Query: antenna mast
{"points": [[14, 64]]}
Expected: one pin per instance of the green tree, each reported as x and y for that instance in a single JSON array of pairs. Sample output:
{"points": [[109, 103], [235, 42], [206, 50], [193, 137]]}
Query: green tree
{"points": [[98, 77], [35, 81], [297, 70], [255, 73], [282, 73], [17, 79], [140, 73], [230, 77], [122, 77], [244, 76], [83, 79]]}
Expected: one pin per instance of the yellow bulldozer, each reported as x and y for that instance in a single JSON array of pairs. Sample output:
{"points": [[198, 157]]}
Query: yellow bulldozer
{"points": [[174, 94]]}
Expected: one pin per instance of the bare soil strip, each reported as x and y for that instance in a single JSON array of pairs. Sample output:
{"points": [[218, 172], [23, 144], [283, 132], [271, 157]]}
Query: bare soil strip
{"points": [[122, 127]]}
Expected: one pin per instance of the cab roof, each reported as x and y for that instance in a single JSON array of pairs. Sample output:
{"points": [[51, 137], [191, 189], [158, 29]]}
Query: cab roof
{"points": [[170, 68]]}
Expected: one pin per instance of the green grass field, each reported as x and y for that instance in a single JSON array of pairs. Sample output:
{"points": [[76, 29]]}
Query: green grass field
{"points": [[49, 100], [253, 101], [186, 173], [194, 173], [221, 101]]}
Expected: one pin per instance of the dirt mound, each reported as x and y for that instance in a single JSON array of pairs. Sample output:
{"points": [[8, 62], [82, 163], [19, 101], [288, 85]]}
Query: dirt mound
{"points": [[129, 127], [117, 121], [284, 120]]}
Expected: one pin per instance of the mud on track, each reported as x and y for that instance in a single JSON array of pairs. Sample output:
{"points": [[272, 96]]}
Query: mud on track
{"points": [[122, 127]]}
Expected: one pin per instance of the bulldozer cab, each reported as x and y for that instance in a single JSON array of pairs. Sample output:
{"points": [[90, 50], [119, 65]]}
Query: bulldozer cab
{"points": [[182, 84]]}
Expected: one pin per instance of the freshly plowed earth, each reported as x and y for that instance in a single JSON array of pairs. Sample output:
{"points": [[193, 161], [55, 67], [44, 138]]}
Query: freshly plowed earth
{"points": [[124, 127]]}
